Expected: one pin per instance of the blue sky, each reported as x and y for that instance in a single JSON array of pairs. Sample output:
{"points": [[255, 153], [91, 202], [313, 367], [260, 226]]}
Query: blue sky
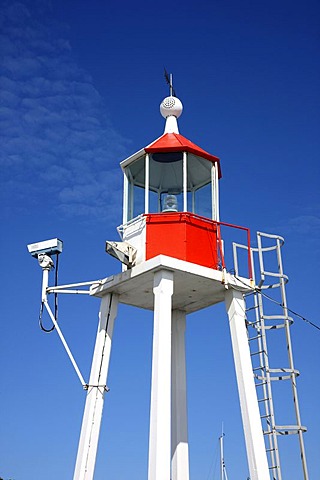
{"points": [[81, 85]]}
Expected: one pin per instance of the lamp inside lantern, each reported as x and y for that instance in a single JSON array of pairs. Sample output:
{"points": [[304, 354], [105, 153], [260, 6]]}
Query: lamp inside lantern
{"points": [[170, 204]]}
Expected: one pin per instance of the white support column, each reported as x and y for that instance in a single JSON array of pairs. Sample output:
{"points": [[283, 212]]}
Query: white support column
{"points": [[89, 437], [179, 422], [256, 453], [160, 409]]}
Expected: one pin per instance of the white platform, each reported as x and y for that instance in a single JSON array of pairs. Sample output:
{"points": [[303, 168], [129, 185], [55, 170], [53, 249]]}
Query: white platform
{"points": [[195, 286]]}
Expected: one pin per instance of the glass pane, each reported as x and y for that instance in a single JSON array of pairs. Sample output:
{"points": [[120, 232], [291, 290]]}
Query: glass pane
{"points": [[203, 201], [166, 177], [199, 172], [136, 172], [191, 202], [154, 203], [138, 201], [136, 180]]}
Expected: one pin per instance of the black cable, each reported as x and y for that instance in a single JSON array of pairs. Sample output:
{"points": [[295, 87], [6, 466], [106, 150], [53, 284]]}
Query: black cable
{"points": [[56, 284], [46, 330], [292, 311], [49, 330], [258, 290]]}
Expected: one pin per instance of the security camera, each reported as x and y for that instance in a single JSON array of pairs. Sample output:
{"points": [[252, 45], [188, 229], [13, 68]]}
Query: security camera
{"points": [[45, 261], [48, 247]]}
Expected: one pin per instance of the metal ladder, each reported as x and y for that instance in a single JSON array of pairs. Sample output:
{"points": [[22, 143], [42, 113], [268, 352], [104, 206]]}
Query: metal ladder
{"points": [[261, 328]]}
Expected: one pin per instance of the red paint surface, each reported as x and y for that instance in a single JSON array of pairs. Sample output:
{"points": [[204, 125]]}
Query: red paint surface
{"points": [[174, 142], [182, 235]]}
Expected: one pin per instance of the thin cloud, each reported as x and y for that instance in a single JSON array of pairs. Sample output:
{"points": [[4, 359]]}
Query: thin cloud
{"points": [[56, 137], [303, 228], [303, 225]]}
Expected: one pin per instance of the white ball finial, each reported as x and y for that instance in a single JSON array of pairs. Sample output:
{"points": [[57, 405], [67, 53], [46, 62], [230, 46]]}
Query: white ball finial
{"points": [[171, 106]]}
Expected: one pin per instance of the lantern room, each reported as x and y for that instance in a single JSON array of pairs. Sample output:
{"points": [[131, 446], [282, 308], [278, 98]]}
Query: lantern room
{"points": [[171, 175]]}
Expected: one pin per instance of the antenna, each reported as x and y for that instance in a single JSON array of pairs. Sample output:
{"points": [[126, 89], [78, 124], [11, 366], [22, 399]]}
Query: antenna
{"points": [[169, 81], [223, 470]]}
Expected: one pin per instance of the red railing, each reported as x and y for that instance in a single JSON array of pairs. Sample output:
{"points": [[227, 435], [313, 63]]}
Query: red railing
{"points": [[219, 240]]}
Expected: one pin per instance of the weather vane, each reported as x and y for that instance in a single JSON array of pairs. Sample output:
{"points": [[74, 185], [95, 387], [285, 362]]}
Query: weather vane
{"points": [[170, 83]]}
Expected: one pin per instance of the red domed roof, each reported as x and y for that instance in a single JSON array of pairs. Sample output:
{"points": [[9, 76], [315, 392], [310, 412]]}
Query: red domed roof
{"points": [[174, 142]]}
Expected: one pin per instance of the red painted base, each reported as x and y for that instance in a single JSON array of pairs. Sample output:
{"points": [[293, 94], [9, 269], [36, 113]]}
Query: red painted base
{"points": [[182, 235]]}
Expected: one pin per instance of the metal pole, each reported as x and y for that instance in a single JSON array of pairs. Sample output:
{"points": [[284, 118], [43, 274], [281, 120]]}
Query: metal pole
{"points": [[89, 437], [125, 212], [256, 453], [185, 173], [215, 173], [160, 408], [221, 457], [146, 191], [64, 343], [45, 282], [291, 363]]}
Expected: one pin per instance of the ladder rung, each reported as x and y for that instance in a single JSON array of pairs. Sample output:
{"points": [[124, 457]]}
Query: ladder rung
{"points": [[274, 317], [264, 400], [252, 308], [258, 368], [254, 338], [260, 384], [257, 353], [252, 324], [265, 416]]}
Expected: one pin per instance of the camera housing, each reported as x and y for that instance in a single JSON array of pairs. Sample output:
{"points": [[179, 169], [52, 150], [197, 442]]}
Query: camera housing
{"points": [[49, 247]]}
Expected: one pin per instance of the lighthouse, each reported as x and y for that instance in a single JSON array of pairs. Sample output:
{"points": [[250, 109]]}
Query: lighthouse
{"points": [[173, 264]]}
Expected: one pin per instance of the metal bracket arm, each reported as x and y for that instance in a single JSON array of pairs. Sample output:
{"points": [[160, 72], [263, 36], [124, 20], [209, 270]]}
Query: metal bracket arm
{"points": [[71, 357], [69, 287]]}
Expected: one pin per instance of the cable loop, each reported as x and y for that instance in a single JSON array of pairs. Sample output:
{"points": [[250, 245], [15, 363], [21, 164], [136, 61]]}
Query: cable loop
{"points": [[46, 330]]}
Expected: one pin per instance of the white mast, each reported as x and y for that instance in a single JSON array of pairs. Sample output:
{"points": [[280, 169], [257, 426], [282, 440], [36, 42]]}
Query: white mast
{"points": [[223, 470]]}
